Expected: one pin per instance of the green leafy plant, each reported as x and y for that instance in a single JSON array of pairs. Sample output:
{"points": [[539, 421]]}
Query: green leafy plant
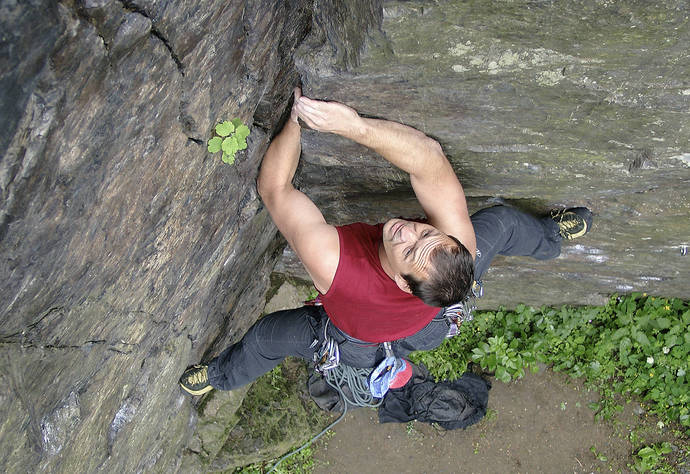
{"points": [[497, 356], [634, 345], [600, 456], [651, 458], [231, 137]]}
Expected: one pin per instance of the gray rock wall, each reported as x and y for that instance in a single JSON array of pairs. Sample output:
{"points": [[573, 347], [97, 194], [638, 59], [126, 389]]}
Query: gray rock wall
{"points": [[129, 252], [538, 105]]}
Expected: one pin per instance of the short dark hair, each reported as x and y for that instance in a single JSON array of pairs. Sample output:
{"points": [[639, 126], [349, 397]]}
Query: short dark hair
{"points": [[451, 274]]}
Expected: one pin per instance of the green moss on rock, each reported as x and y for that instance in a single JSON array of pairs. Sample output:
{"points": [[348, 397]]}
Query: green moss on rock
{"points": [[275, 415]]}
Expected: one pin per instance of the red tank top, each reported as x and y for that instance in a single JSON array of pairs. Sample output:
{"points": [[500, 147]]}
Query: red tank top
{"points": [[363, 300]]}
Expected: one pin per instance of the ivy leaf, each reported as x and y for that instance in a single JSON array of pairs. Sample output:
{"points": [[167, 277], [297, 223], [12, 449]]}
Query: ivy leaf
{"points": [[686, 317], [230, 145], [242, 131], [645, 452], [236, 122], [228, 158], [214, 144], [642, 339], [225, 128], [671, 340], [502, 374], [241, 143], [663, 323]]}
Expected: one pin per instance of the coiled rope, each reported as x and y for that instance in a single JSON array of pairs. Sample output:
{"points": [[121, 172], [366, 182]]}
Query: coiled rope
{"points": [[358, 381]]}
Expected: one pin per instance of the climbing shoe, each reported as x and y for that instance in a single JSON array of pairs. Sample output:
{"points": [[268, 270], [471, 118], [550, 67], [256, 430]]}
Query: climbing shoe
{"points": [[572, 223], [195, 380]]}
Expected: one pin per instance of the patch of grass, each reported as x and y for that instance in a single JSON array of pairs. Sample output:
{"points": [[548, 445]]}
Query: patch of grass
{"points": [[491, 415], [274, 409], [263, 414]]}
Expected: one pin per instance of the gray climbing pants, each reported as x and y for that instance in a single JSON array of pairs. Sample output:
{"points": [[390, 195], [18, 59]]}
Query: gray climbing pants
{"points": [[499, 230]]}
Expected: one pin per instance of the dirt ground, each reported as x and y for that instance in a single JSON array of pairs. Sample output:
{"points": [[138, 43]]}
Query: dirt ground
{"points": [[540, 423]]}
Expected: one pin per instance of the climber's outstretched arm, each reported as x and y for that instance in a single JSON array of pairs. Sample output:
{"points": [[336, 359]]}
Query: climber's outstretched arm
{"points": [[296, 216], [434, 182]]}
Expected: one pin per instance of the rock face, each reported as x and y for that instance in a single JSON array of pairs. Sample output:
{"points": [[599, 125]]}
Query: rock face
{"points": [[538, 106], [129, 252]]}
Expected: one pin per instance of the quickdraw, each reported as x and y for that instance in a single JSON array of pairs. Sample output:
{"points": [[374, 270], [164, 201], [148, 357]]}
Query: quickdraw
{"points": [[328, 355], [457, 313]]}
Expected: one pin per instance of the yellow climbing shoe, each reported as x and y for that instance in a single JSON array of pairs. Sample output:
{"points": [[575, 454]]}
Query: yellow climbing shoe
{"points": [[195, 380], [572, 223]]}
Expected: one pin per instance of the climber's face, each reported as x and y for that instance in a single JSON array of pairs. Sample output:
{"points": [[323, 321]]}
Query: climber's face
{"points": [[408, 248]]}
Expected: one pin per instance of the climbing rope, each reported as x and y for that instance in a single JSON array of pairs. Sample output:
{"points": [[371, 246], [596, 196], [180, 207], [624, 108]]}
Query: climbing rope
{"points": [[358, 381]]}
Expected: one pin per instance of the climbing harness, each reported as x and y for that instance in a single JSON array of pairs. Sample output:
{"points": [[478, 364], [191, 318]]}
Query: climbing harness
{"points": [[328, 355], [327, 363]]}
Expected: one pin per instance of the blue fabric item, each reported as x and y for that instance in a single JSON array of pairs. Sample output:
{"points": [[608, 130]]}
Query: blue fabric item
{"points": [[382, 376]]}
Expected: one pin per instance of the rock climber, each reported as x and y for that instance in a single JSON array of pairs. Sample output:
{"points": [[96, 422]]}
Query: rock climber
{"points": [[389, 283]]}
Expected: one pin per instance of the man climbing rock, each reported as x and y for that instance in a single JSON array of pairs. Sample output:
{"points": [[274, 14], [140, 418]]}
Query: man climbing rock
{"points": [[390, 282]]}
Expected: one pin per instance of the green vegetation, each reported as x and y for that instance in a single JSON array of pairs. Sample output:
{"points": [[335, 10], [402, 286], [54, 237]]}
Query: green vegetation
{"points": [[636, 344], [276, 410], [651, 458], [313, 294], [300, 463], [276, 416], [231, 138]]}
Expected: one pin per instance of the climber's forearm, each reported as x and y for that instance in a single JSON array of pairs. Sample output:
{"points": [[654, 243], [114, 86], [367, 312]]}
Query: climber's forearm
{"points": [[405, 147]]}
